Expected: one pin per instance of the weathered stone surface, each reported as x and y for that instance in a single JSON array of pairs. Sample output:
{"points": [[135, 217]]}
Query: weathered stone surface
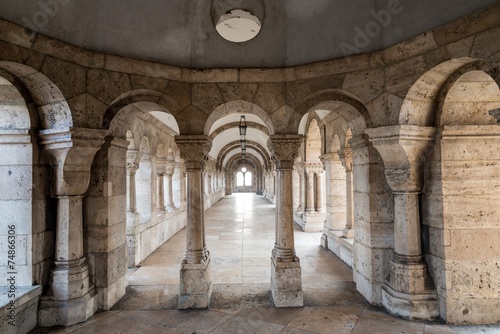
{"points": [[107, 86]]}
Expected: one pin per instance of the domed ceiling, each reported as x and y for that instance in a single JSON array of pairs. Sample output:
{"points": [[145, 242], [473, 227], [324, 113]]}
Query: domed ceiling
{"points": [[182, 32]]}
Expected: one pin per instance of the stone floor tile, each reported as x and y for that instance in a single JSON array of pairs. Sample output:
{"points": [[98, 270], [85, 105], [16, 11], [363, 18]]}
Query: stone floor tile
{"points": [[280, 316], [438, 329], [384, 326], [327, 319], [199, 321], [242, 325]]}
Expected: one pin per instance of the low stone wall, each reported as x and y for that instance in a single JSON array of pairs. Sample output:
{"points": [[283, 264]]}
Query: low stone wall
{"points": [[213, 198], [21, 318], [154, 233]]}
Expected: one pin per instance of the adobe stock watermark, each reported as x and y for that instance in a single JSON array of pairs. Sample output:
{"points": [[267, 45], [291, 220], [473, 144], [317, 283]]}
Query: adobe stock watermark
{"points": [[372, 29], [48, 9]]}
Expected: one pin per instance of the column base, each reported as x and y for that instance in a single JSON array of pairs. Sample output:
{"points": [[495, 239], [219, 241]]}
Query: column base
{"points": [[348, 233], [414, 306], [410, 292], [286, 283], [195, 286], [313, 221], [67, 312]]}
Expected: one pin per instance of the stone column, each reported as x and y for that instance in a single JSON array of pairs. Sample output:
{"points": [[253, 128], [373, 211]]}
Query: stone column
{"points": [[70, 298], [133, 159], [346, 158], [300, 207], [229, 184], [286, 281], [169, 195], [183, 177], [319, 190], [160, 172], [309, 190], [195, 277], [410, 292]]}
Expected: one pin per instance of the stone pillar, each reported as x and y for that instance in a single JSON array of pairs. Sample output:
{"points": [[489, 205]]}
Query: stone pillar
{"points": [[309, 190], [183, 177], [319, 191], [286, 281], [169, 195], [70, 298], [346, 158], [106, 222], [229, 184], [410, 292], [160, 173], [133, 159], [300, 207], [195, 277]]}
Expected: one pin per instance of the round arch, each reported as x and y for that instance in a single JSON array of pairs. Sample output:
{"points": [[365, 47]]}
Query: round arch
{"points": [[235, 107], [423, 102]]}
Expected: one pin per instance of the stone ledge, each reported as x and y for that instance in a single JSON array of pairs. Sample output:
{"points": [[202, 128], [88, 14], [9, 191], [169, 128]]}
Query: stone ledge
{"points": [[26, 303]]}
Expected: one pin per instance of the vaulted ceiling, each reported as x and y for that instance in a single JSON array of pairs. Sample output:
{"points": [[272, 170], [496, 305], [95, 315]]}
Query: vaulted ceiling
{"points": [[182, 32]]}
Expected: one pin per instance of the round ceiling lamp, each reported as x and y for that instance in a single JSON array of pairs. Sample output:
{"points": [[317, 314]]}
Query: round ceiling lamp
{"points": [[238, 26], [237, 21]]}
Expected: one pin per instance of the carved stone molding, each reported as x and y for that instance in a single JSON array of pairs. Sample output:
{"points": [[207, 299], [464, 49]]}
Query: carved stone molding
{"points": [[313, 167], [345, 156], [133, 160], [194, 150], [284, 149], [403, 148], [71, 152]]}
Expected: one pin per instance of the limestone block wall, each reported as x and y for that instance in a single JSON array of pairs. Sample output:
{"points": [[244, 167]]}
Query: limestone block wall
{"points": [[461, 220], [373, 222]]}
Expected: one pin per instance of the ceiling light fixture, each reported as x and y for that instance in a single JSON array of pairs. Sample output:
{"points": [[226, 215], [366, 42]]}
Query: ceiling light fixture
{"points": [[237, 20], [243, 132]]}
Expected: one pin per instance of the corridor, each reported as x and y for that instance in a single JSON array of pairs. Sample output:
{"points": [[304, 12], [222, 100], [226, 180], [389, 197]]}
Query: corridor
{"points": [[240, 236]]}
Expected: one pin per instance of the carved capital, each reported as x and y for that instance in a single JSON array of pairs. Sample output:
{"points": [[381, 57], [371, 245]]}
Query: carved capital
{"points": [[313, 167], [71, 153], [133, 159], [194, 150], [284, 149], [345, 156], [403, 149]]}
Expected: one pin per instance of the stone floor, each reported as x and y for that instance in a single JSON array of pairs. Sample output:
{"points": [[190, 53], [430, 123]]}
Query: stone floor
{"points": [[240, 235]]}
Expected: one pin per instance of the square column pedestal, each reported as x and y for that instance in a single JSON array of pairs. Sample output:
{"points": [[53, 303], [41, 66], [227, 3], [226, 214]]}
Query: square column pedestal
{"points": [[195, 285], [419, 301], [71, 300], [286, 283]]}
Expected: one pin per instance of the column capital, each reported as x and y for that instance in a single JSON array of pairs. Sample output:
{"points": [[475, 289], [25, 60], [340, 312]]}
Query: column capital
{"points": [[284, 149], [313, 167], [329, 158], [70, 153], [133, 159], [345, 156], [194, 150], [403, 148]]}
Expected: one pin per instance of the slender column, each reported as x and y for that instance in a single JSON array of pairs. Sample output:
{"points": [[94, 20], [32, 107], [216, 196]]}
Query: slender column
{"points": [[169, 195], [346, 158], [319, 191], [160, 172], [70, 298], [195, 282], [410, 291], [286, 282], [300, 207], [310, 190], [133, 159]]}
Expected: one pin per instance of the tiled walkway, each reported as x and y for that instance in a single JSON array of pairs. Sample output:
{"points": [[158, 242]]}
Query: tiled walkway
{"points": [[240, 235]]}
